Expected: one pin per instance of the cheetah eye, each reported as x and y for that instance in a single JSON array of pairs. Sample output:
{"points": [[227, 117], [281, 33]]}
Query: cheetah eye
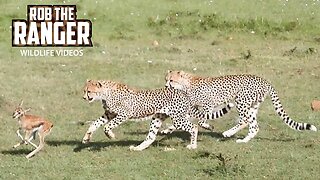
{"points": [[88, 91], [171, 80]]}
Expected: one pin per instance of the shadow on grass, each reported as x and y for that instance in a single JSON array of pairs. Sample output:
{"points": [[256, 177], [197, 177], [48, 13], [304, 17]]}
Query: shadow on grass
{"points": [[63, 142], [16, 151], [276, 139], [233, 138], [92, 146], [97, 146], [182, 134]]}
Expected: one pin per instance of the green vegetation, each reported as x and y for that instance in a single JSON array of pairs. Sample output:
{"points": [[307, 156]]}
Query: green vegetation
{"points": [[277, 40]]}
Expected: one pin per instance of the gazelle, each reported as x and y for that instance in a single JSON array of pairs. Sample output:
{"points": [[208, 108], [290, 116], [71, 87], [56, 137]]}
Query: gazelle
{"points": [[31, 125]]}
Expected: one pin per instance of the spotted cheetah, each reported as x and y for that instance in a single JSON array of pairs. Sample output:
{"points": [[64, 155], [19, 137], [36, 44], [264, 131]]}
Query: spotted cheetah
{"points": [[248, 92], [122, 103]]}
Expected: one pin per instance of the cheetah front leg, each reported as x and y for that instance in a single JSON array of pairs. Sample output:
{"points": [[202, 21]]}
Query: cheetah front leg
{"points": [[115, 122], [96, 124], [155, 124]]}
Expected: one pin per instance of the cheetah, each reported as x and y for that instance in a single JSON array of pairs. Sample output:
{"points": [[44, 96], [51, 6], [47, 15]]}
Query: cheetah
{"points": [[247, 91], [122, 103]]}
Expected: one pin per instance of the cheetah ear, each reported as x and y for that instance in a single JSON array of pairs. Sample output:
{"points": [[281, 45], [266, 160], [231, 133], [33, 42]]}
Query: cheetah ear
{"points": [[99, 84], [88, 80], [182, 73], [169, 71]]}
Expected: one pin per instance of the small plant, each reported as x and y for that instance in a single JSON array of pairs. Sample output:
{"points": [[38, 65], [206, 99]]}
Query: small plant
{"points": [[246, 55], [226, 165], [299, 52]]}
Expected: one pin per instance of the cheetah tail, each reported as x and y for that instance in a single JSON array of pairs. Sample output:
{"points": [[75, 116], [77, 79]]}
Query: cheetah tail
{"points": [[285, 117], [214, 114]]}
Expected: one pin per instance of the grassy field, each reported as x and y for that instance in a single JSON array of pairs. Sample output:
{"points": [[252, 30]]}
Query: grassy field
{"points": [[277, 40]]}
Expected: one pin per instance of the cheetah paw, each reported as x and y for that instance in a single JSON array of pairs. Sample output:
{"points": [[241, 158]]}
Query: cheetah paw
{"points": [[166, 131], [135, 148], [207, 127], [242, 141], [210, 128], [227, 134], [85, 141], [192, 146]]}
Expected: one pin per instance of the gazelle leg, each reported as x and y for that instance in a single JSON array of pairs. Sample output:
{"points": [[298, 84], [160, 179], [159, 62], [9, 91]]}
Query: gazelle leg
{"points": [[27, 138], [41, 138], [33, 135], [17, 145], [29, 141], [20, 136]]}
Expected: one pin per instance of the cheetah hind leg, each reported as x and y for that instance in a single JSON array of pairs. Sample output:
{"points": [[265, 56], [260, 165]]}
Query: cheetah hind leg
{"points": [[186, 125], [243, 108], [253, 130], [151, 137], [253, 125], [205, 125]]}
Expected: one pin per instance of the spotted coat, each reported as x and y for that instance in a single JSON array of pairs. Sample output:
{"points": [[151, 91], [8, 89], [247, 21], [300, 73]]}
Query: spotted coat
{"points": [[122, 103], [247, 91]]}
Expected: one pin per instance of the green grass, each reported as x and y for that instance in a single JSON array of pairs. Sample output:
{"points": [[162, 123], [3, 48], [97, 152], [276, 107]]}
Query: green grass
{"points": [[283, 49]]}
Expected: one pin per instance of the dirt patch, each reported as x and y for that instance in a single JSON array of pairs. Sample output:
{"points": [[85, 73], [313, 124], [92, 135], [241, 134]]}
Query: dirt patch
{"points": [[315, 105]]}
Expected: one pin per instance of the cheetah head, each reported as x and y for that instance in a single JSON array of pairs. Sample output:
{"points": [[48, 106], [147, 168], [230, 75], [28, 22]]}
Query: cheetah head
{"points": [[177, 80], [95, 90], [92, 90]]}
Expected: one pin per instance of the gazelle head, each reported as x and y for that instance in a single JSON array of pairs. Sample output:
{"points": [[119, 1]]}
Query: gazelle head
{"points": [[19, 111]]}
